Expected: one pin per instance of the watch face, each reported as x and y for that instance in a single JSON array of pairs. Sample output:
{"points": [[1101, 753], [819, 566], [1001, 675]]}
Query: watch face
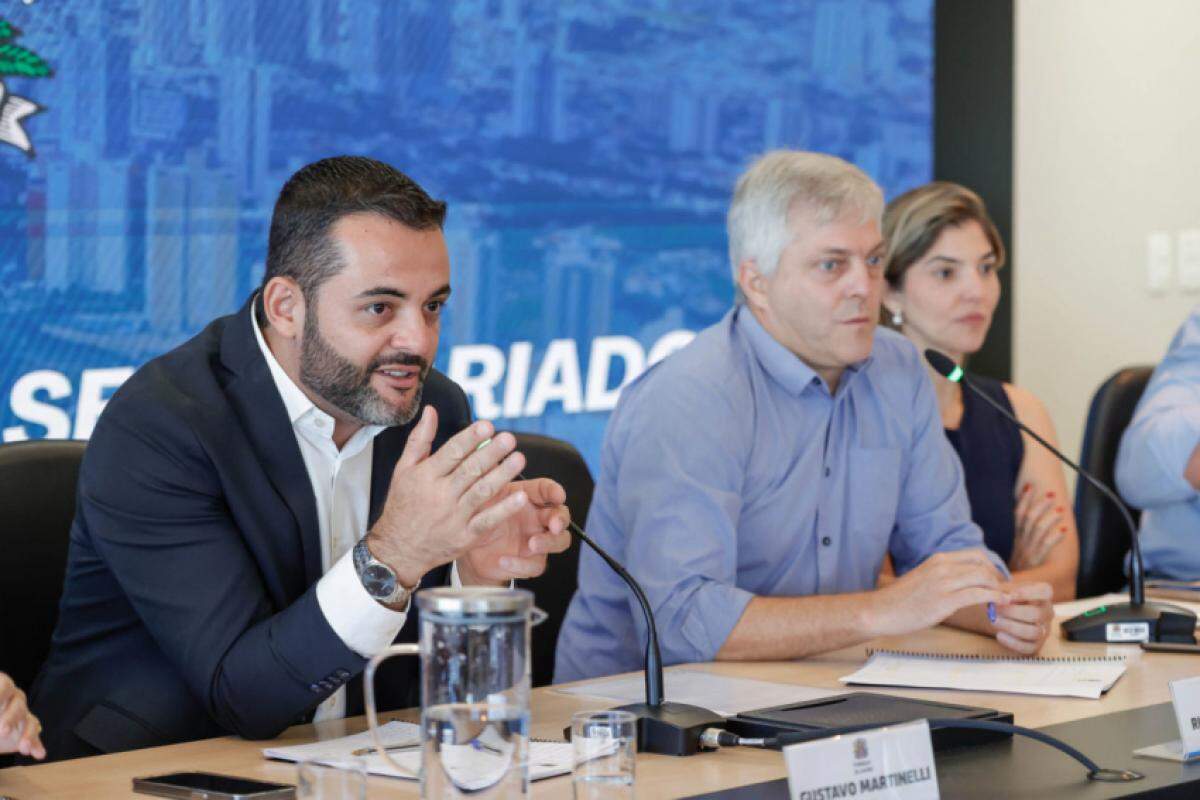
{"points": [[379, 581]]}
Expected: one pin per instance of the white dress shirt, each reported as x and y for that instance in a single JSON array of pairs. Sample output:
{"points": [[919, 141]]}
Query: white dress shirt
{"points": [[341, 484]]}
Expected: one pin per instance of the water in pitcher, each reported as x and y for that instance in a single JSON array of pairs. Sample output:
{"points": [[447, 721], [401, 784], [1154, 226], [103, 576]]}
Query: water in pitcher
{"points": [[476, 750]]}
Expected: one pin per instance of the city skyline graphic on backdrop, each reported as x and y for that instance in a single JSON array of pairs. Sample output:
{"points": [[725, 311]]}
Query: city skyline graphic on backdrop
{"points": [[587, 152]]}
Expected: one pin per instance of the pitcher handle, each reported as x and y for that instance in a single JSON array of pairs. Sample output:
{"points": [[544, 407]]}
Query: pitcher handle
{"points": [[369, 696]]}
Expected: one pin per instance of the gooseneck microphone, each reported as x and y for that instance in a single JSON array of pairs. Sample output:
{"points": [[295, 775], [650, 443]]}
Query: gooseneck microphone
{"points": [[672, 729], [1135, 621]]}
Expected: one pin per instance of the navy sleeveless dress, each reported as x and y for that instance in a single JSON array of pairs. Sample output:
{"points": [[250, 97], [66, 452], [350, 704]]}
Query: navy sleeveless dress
{"points": [[991, 450]]}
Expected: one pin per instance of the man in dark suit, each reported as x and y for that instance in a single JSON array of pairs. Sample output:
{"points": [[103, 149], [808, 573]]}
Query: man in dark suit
{"points": [[219, 579]]}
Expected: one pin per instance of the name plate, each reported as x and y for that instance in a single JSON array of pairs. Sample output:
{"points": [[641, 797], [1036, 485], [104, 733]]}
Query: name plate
{"points": [[1128, 632], [1185, 697], [894, 763]]}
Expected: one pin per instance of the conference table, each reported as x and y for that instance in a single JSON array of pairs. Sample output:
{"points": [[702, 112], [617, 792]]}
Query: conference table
{"points": [[1144, 684]]}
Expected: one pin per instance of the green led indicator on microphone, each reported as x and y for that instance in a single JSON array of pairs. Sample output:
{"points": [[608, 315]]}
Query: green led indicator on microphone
{"points": [[956, 375]]}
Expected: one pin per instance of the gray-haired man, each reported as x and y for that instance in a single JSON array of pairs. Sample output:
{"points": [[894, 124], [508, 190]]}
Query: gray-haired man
{"points": [[754, 481]]}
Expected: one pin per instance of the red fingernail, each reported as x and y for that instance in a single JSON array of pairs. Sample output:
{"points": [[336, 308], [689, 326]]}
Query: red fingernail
{"points": [[1063, 529], [1049, 494], [1059, 510]]}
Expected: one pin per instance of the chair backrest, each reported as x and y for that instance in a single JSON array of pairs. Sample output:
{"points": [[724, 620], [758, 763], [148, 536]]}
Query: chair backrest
{"points": [[547, 457], [1103, 534], [37, 495]]}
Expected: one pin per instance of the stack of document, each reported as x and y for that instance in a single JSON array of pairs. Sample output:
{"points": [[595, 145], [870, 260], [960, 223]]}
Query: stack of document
{"points": [[403, 740], [1087, 677]]}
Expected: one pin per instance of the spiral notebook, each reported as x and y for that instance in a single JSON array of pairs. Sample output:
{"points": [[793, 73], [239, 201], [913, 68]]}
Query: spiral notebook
{"points": [[1087, 677]]}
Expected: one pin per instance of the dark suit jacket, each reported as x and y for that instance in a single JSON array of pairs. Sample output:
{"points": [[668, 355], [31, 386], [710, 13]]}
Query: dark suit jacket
{"points": [[190, 606]]}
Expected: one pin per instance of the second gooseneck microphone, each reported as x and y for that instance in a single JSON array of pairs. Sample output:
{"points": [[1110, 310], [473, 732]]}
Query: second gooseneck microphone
{"points": [[1135, 621], [672, 729]]}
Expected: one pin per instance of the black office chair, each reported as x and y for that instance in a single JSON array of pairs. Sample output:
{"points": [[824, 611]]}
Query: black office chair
{"points": [[1103, 534], [37, 495], [547, 457]]}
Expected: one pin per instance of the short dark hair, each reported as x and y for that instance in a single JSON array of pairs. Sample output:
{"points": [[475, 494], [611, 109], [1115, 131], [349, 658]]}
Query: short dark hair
{"points": [[320, 194]]}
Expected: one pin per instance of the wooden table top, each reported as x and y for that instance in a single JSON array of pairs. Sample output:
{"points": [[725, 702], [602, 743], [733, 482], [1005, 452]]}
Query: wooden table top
{"points": [[1144, 683]]}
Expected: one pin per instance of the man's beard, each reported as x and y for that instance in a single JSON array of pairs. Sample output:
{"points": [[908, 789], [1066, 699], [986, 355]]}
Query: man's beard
{"points": [[345, 386]]}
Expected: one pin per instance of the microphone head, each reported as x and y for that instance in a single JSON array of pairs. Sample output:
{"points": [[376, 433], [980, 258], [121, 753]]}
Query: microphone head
{"points": [[943, 365]]}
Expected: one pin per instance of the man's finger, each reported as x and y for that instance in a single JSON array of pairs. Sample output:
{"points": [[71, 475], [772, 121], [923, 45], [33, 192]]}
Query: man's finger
{"points": [[974, 575], [546, 543], [1017, 645], [1028, 631], [480, 462], [460, 446], [30, 742], [977, 596], [523, 567], [544, 492], [555, 519], [1021, 612], [12, 716], [496, 483], [420, 439], [1037, 592], [491, 517]]}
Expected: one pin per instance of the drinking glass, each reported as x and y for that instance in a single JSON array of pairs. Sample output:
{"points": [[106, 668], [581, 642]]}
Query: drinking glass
{"points": [[345, 780], [605, 745]]}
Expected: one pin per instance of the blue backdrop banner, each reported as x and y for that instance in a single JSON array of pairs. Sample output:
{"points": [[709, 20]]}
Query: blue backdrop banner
{"points": [[587, 151]]}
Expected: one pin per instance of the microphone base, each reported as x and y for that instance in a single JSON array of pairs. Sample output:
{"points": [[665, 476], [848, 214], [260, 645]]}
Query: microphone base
{"points": [[1126, 623], [672, 729]]}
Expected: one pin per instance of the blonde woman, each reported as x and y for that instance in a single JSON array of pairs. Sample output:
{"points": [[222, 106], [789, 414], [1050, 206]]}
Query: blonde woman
{"points": [[943, 257]]}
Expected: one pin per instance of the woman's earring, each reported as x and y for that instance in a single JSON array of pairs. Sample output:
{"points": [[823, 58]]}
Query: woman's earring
{"points": [[897, 318]]}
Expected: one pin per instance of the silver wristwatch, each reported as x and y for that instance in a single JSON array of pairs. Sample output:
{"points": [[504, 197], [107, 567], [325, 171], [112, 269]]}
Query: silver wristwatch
{"points": [[378, 578]]}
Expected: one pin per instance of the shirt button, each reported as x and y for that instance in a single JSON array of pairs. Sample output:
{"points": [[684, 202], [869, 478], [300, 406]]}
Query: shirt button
{"points": [[314, 688], [827, 472], [826, 541]]}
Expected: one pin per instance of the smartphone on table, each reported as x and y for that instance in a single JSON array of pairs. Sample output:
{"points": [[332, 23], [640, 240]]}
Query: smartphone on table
{"points": [[211, 786]]}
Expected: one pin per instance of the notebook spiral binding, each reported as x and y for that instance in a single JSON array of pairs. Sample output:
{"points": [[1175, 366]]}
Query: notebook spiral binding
{"points": [[980, 657]]}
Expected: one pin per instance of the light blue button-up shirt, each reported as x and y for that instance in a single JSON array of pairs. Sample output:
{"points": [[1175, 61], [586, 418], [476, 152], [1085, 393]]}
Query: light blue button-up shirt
{"points": [[729, 471], [1154, 451]]}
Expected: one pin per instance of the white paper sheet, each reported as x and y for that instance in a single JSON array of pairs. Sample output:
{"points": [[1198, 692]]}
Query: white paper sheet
{"points": [[546, 759], [1058, 677], [720, 693]]}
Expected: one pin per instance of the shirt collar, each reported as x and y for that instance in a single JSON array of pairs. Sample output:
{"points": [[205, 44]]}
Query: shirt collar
{"points": [[298, 406], [782, 364]]}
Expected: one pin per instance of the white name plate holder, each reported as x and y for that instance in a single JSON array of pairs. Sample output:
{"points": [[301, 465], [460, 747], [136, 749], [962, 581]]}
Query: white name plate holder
{"points": [[1185, 697], [893, 763]]}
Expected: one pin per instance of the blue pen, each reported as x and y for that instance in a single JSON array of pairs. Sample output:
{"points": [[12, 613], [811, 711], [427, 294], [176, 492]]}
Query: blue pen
{"points": [[992, 613]]}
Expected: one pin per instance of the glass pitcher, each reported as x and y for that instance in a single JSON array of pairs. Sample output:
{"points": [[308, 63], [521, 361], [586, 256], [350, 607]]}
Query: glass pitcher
{"points": [[474, 650]]}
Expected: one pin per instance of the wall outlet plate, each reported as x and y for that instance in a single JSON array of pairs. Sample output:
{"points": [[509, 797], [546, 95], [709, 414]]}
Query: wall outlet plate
{"points": [[1158, 262], [1189, 260]]}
